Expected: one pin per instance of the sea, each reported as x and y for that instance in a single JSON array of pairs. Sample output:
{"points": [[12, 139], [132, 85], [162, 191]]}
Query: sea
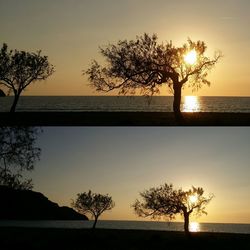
{"points": [[135, 225], [125, 104]]}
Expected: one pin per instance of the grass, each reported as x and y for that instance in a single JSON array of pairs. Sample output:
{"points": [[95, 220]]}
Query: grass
{"points": [[42, 238]]}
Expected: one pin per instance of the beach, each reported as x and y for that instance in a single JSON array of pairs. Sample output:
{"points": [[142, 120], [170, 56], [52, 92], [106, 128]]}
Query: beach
{"points": [[47, 238], [122, 119]]}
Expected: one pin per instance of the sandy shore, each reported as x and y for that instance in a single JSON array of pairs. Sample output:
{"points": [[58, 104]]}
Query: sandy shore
{"points": [[37, 238], [122, 119]]}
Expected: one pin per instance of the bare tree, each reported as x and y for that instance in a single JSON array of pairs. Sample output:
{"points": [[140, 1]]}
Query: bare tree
{"points": [[144, 65], [93, 204], [18, 69], [165, 201], [18, 153]]}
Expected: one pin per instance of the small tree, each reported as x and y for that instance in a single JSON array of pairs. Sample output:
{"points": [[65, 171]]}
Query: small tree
{"points": [[18, 69], [145, 65], [18, 153], [165, 201], [93, 204]]}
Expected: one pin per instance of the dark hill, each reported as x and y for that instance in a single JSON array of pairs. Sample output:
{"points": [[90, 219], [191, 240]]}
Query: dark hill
{"points": [[30, 205], [2, 94]]}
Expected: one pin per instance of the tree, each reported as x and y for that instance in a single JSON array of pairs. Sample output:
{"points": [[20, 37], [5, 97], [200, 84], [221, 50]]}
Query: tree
{"points": [[165, 201], [93, 204], [18, 153], [18, 69], [145, 65]]}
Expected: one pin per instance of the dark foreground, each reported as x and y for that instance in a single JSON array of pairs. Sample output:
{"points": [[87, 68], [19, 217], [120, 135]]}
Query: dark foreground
{"points": [[30, 238], [122, 119]]}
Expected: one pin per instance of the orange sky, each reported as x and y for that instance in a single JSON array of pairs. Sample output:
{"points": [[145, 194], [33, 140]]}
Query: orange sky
{"points": [[123, 161], [70, 32]]}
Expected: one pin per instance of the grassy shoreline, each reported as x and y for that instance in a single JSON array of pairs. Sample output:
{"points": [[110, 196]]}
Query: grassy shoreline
{"points": [[48, 238], [122, 119]]}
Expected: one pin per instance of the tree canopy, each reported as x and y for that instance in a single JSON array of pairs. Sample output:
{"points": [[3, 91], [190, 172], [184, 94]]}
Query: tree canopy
{"points": [[142, 65], [93, 204], [18, 153], [18, 69], [165, 201]]}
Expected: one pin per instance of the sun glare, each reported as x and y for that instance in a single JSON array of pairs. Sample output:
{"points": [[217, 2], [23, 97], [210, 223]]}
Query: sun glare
{"points": [[193, 198], [191, 104], [190, 57], [194, 227]]}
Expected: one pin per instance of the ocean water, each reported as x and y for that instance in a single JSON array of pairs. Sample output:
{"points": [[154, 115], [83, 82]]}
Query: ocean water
{"points": [[125, 103], [140, 225]]}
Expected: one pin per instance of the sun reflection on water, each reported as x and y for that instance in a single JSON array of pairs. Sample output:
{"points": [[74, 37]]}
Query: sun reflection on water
{"points": [[191, 104], [194, 227]]}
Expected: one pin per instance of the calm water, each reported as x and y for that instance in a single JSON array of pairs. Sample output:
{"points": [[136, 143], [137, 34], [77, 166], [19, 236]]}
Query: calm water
{"points": [[143, 225], [126, 103]]}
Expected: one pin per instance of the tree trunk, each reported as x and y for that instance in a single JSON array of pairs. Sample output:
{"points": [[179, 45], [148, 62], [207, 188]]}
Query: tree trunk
{"points": [[13, 107], [177, 98], [95, 223], [177, 102], [186, 223]]}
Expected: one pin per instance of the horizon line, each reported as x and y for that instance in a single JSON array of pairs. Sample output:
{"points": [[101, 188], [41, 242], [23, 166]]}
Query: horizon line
{"points": [[127, 96]]}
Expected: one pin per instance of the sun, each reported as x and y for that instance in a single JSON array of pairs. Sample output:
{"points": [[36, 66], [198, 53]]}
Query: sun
{"points": [[190, 57], [193, 198], [194, 227]]}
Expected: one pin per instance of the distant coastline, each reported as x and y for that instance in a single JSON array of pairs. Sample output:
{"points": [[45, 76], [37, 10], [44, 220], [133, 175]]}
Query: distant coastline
{"points": [[2, 94], [30, 205]]}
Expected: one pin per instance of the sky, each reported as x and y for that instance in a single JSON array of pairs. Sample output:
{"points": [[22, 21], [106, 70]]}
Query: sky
{"points": [[124, 161], [70, 32]]}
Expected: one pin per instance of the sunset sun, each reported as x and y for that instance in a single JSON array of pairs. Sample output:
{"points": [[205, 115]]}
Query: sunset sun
{"points": [[190, 57], [193, 198]]}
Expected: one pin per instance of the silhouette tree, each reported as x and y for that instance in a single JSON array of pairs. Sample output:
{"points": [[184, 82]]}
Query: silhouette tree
{"points": [[165, 201], [18, 153], [93, 204], [18, 69], [145, 65]]}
